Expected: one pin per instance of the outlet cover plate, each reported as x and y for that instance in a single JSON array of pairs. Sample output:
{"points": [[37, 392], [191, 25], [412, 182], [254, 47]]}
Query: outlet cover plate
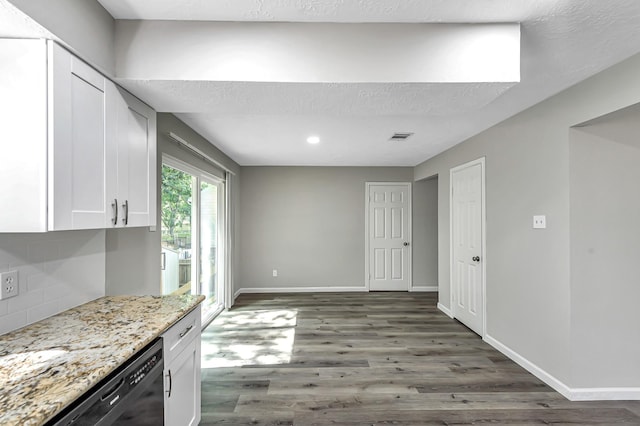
{"points": [[539, 222], [8, 284]]}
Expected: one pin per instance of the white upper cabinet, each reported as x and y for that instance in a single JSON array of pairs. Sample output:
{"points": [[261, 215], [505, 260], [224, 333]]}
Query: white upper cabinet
{"points": [[23, 143], [73, 143], [131, 161], [77, 143]]}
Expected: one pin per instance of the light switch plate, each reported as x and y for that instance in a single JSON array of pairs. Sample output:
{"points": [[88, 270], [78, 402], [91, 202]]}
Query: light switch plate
{"points": [[539, 222]]}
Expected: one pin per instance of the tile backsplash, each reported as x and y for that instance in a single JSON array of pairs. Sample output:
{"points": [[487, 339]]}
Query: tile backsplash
{"points": [[56, 271]]}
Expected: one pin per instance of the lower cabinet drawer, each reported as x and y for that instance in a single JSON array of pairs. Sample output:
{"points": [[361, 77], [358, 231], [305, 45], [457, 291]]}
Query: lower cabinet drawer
{"points": [[180, 334]]}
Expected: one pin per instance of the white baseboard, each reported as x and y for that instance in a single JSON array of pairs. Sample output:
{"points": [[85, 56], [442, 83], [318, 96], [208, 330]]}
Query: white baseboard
{"points": [[530, 367], [572, 394], [605, 394], [299, 290], [428, 288], [445, 310]]}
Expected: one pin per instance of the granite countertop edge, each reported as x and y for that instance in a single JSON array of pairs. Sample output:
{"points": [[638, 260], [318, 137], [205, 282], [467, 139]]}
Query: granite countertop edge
{"points": [[46, 366]]}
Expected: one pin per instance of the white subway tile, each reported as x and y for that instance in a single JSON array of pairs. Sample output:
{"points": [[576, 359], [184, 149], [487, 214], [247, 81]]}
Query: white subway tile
{"points": [[13, 321], [57, 271], [56, 292], [43, 311], [26, 300], [37, 281]]}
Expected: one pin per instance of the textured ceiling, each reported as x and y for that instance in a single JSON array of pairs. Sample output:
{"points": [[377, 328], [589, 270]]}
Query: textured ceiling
{"points": [[333, 10], [563, 42], [15, 24], [354, 121], [620, 126]]}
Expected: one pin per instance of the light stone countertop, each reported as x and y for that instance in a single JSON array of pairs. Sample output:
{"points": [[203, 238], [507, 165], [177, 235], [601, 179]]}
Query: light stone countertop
{"points": [[47, 365]]}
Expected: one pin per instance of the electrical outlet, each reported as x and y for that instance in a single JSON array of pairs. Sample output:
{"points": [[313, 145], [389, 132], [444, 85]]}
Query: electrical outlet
{"points": [[275, 272], [539, 222], [8, 284]]}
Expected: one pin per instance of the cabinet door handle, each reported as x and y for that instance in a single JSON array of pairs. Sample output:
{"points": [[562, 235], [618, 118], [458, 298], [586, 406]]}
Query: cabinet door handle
{"points": [[115, 211], [170, 384], [125, 207], [184, 333]]}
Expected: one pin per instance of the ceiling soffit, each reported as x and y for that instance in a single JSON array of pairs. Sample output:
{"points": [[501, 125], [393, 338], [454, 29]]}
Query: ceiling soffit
{"points": [[318, 53]]}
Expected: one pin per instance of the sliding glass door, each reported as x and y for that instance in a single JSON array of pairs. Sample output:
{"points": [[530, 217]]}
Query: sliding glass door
{"points": [[177, 224], [209, 255], [193, 234]]}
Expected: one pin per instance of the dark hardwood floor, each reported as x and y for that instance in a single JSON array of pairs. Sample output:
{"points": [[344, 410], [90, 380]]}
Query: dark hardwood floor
{"points": [[371, 359]]}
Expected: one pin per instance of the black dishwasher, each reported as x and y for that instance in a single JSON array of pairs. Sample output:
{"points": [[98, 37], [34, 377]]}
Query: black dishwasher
{"points": [[131, 396]]}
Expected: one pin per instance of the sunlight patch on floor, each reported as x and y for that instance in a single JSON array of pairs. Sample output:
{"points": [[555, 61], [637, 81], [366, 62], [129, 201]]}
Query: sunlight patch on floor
{"points": [[262, 319], [273, 345]]}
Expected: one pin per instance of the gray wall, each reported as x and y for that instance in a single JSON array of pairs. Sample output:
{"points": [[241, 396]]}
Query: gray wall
{"points": [[133, 254], [605, 209], [83, 26], [425, 233], [527, 173], [308, 223]]}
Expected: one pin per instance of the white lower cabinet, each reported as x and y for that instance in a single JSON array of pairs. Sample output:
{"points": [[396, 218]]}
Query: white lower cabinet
{"points": [[182, 371]]}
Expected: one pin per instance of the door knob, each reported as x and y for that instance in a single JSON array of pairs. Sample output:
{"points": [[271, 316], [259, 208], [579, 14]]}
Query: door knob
{"points": [[476, 258], [405, 244]]}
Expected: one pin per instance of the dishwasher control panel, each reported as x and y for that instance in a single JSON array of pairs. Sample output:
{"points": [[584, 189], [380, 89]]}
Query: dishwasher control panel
{"points": [[136, 376]]}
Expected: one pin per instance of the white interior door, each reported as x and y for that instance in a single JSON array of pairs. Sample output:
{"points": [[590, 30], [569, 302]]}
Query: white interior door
{"points": [[467, 223], [389, 236]]}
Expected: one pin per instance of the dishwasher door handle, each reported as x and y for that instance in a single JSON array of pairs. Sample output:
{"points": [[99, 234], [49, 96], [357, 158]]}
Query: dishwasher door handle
{"points": [[113, 391]]}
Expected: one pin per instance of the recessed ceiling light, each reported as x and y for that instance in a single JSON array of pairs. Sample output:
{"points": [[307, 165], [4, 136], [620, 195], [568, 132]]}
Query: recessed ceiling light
{"points": [[313, 140]]}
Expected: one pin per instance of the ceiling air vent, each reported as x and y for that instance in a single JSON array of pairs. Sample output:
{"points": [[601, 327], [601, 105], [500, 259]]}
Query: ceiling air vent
{"points": [[397, 137]]}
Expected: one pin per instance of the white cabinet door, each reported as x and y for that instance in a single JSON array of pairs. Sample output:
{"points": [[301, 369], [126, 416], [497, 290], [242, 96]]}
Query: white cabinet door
{"points": [[182, 371], [77, 143], [137, 162], [23, 148], [131, 160], [182, 397]]}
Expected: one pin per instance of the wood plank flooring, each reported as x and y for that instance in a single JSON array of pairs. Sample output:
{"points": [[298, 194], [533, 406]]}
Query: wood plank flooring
{"points": [[371, 359]]}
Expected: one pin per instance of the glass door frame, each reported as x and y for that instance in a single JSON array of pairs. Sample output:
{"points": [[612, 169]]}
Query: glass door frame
{"points": [[221, 231], [220, 244]]}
